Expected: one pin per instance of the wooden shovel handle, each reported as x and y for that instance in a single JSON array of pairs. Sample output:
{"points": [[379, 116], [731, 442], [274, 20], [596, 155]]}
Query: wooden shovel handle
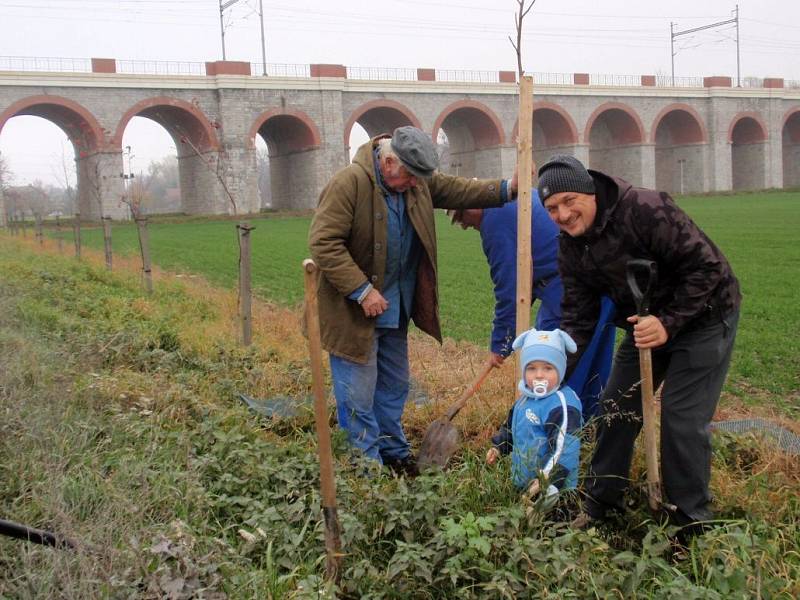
{"points": [[326, 476], [470, 391]]}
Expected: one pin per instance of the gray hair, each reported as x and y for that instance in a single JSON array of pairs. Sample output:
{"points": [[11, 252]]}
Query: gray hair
{"points": [[385, 148]]}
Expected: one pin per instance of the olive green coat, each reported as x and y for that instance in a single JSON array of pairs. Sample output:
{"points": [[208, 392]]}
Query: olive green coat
{"points": [[348, 242]]}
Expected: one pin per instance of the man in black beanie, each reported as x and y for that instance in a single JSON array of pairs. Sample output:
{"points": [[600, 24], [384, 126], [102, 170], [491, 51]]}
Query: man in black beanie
{"points": [[694, 310]]}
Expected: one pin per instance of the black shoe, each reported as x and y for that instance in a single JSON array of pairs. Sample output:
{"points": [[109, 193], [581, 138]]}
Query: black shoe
{"points": [[403, 466]]}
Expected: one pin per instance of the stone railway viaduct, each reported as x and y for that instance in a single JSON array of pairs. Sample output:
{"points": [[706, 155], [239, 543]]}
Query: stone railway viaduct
{"points": [[690, 139]]}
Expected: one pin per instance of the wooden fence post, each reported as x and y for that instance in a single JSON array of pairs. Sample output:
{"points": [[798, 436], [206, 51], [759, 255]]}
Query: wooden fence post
{"points": [[37, 220], [107, 241], [144, 246], [76, 232], [245, 286], [58, 235]]}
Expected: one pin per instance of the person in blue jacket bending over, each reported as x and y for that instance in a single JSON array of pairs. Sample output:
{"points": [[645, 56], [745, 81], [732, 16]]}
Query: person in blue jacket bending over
{"points": [[542, 430], [498, 231]]}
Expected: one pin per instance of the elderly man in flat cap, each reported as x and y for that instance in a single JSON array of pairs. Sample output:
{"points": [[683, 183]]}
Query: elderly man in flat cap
{"points": [[374, 240]]}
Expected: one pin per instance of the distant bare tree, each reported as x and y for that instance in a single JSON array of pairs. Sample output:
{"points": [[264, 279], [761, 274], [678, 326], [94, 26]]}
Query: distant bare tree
{"points": [[65, 175], [264, 180], [5, 172], [5, 178]]}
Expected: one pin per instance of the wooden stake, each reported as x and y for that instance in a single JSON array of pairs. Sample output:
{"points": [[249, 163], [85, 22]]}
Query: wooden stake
{"points": [[107, 240], [76, 229], [524, 163], [144, 246], [333, 544], [58, 235], [38, 225], [245, 286]]}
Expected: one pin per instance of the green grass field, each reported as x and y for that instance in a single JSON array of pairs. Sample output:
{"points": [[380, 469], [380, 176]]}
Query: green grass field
{"points": [[121, 429], [757, 232]]}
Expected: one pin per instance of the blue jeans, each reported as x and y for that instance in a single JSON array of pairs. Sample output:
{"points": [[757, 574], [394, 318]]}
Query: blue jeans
{"points": [[370, 397]]}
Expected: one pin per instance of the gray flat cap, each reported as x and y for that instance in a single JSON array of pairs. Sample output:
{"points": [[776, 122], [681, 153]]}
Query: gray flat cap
{"points": [[415, 150]]}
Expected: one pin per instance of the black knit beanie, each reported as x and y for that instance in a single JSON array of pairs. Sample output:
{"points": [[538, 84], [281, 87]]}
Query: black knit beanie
{"points": [[564, 173]]}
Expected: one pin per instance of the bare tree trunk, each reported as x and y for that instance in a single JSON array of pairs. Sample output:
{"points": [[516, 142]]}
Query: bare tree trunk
{"points": [[24, 229], [144, 246], [76, 228], [107, 240], [245, 288]]}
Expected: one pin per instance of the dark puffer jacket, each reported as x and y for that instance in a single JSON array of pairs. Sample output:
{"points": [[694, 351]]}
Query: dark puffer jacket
{"points": [[695, 282]]}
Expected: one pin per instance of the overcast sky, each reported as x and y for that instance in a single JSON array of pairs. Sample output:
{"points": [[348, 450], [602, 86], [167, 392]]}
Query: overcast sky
{"points": [[625, 37]]}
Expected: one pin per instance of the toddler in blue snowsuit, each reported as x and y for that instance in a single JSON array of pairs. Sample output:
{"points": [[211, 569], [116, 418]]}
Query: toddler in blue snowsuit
{"points": [[541, 432]]}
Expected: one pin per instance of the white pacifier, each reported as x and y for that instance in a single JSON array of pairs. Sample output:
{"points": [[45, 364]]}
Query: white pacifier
{"points": [[539, 388]]}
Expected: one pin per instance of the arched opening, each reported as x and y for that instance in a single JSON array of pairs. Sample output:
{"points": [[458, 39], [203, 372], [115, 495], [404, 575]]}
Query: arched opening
{"points": [[681, 149], [37, 172], [615, 136], [469, 135], [791, 150], [358, 137], [292, 142], [150, 171], [97, 180], [553, 132], [374, 118], [195, 146], [748, 152]]}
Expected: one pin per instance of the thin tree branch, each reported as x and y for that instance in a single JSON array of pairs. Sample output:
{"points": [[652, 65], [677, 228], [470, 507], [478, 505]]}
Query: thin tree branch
{"points": [[518, 17]]}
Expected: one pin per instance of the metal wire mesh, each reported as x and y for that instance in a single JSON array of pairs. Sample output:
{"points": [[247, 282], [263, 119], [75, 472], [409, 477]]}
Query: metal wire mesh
{"points": [[785, 439]]}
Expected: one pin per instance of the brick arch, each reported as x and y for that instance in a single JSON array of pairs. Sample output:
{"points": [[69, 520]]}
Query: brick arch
{"points": [[690, 135], [180, 119], [285, 131], [630, 132], [481, 121], [794, 130], [390, 111], [80, 125], [559, 132], [751, 134]]}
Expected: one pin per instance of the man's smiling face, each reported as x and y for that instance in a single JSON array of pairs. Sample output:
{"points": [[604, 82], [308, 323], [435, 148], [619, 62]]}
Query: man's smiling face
{"points": [[573, 212]]}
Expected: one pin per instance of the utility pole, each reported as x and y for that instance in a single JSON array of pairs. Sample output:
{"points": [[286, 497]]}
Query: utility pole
{"points": [[672, 49], [222, 26], [738, 74], [673, 34], [127, 175], [264, 43], [223, 6]]}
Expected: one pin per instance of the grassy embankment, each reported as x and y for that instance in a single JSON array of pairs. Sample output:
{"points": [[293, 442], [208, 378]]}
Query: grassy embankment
{"points": [[121, 429]]}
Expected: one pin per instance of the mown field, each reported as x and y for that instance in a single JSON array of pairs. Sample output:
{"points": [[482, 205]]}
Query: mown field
{"points": [[122, 429], [757, 232]]}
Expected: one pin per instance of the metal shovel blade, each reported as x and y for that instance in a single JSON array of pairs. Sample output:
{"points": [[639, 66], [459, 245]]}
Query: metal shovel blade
{"points": [[439, 444]]}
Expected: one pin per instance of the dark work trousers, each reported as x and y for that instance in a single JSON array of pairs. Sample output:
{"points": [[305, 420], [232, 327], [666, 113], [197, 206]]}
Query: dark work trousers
{"points": [[692, 366]]}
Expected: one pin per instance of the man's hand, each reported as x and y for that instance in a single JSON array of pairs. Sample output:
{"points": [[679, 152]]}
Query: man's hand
{"points": [[374, 304], [533, 489], [513, 184], [648, 332], [496, 360], [492, 455]]}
